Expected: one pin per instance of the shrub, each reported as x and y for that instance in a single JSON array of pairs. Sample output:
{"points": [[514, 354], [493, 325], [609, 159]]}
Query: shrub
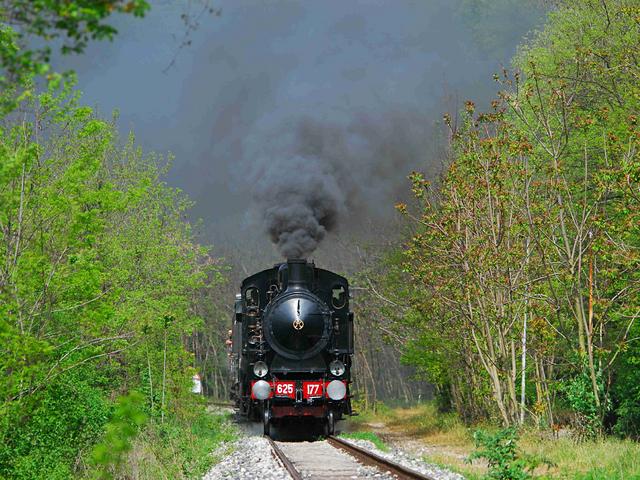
{"points": [[120, 431], [500, 451], [179, 448], [581, 399], [63, 417]]}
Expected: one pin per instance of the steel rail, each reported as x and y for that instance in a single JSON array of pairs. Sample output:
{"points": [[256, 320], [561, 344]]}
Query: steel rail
{"points": [[286, 463], [371, 459]]}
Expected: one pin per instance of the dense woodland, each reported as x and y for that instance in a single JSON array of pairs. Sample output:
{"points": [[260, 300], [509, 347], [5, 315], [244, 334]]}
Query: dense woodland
{"points": [[515, 295], [101, 279], [523, 267]]}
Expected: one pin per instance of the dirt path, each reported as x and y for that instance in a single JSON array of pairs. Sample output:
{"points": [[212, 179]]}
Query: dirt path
{"points": [[434, 448]]}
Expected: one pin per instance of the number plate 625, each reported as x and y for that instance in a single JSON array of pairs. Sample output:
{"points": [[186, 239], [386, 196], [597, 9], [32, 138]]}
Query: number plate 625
{"points": [[285, 389]]}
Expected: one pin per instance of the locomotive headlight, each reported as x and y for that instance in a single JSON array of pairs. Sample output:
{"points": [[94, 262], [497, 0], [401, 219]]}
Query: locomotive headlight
{"points": [[260, 369], [261, 390], [336, 390], [336, 368]]}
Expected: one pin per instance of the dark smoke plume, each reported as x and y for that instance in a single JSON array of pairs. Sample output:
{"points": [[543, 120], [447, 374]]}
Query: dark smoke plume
{"points": [[301, 201], [316, 174], [262, 65]]}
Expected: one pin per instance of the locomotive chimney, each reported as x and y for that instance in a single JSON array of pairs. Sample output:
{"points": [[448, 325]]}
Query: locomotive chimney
{"points": [[297, 274]]}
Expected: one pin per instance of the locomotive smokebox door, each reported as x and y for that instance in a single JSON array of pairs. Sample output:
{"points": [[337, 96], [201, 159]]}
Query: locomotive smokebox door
{"points": [[297, 324]]}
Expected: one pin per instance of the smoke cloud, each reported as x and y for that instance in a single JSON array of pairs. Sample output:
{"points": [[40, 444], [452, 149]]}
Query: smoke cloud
{"points": [[271, 94], [302, 200], [317, 174]]}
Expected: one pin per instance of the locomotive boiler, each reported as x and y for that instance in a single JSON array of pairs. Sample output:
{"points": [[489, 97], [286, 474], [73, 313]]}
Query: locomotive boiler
{"points": [[292, 346]]}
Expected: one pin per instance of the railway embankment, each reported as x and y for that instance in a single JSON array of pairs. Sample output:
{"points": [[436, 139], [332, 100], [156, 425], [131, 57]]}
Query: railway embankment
{"points": [[295, 455], [249, 457], [442, 439], [409, 458]]}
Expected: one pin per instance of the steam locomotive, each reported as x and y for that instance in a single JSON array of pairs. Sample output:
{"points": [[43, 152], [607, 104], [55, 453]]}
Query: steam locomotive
{"points": [[292, 346]]}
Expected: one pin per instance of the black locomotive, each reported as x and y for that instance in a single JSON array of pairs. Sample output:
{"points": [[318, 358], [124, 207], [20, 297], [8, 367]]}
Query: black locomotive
{"points": [[292, 346]]}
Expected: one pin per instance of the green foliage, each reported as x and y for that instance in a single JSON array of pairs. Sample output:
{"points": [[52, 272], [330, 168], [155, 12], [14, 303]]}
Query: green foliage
{"points": [[529, 247], [581, 400], [627, 391], [500, 450], [51, 425], [98, 280], [99, 272], [369, 436], [74, 23], [120, 431], [181, 447]]}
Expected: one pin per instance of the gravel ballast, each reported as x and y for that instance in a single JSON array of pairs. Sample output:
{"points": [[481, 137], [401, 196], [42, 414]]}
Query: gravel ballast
{"points": [[406, 460], [251, 460], [320, 461]]}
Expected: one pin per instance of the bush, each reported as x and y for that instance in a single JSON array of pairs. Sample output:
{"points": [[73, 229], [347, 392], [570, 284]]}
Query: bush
{"points": [[121, 429], [500, 451], [62, 418], [581, 399], [627, 395], [179, 448]]}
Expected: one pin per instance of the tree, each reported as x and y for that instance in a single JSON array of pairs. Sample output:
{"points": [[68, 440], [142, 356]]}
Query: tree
{"points": [[531, 240], [73, 24], [98, 277]]}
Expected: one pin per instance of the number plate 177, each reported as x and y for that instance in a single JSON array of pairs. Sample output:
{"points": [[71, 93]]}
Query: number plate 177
{"points": [[312, 389]]}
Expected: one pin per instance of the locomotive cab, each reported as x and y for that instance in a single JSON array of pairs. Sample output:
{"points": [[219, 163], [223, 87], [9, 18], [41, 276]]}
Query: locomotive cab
{"points": [[293, 345]]}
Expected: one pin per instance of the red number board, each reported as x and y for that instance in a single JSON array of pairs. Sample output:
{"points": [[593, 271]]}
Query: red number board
{"points": [[285, 389], [312, 389]]}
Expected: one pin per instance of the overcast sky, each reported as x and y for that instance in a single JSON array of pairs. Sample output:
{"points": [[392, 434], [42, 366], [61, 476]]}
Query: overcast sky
{"points": [[256, 71]]}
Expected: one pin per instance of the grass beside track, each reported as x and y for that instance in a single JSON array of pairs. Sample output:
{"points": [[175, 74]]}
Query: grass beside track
{"points": [[448, 442], [370, 436], [179, 448]]}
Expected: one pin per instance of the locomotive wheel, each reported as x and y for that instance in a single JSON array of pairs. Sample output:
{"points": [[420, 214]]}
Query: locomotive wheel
{"points": [[329, 424], [266, 421]]}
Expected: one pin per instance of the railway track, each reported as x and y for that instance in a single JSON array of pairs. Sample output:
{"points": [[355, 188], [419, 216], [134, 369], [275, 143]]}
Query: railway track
{"points": [[335, 459]]}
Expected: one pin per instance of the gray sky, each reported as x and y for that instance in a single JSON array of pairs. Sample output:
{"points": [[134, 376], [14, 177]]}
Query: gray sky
{"points": [[383, 72]]}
